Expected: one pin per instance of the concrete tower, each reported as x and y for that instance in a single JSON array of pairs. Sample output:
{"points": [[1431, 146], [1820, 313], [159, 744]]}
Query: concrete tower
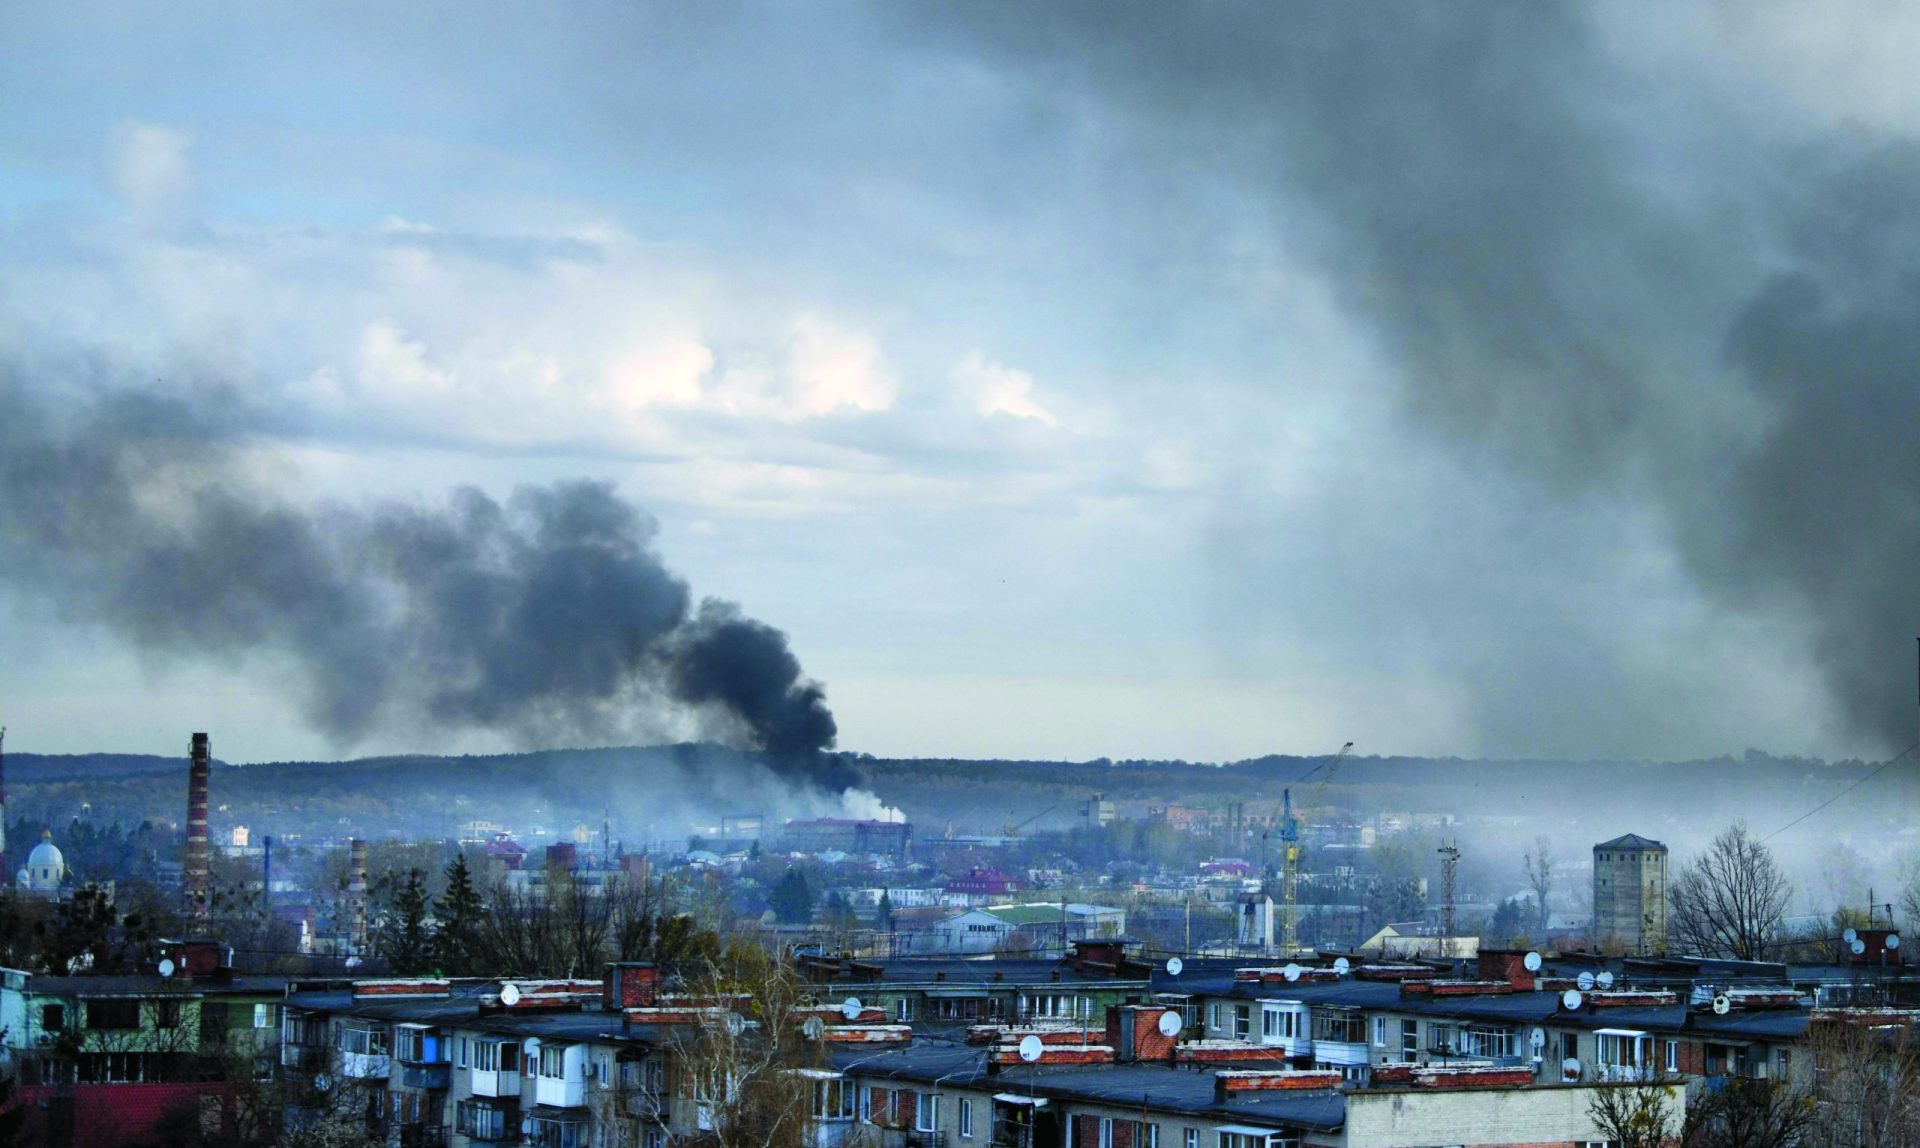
{"points": [[1630, 894]]}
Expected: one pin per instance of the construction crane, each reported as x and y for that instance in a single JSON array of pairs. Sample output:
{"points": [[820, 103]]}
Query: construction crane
{"points": [[1013, 830], [1289, 834]]}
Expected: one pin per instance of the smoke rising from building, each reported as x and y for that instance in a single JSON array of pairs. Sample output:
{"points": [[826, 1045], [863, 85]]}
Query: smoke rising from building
{"points": [[547, 617], [1650, 293]]}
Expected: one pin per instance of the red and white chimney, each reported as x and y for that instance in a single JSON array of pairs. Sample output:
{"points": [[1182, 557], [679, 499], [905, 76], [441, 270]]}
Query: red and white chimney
{"points": [[197, 873]]}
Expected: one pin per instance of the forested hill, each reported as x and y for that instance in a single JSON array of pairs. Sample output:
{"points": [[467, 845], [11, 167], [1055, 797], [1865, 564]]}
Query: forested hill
{"points": [[422, 795]]}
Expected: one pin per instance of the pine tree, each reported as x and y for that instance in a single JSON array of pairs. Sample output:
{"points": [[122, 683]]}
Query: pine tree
{"points": [[457, 944], [885, 914], [792, 899], [406, 940]]}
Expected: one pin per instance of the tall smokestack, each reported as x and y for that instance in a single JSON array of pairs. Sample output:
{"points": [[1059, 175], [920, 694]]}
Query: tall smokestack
{"points": [[357, 893], [3, 803], [197, 876]]}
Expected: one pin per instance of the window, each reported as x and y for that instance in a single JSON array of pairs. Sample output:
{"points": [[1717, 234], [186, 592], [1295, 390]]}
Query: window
{"points": [[1784, 1059], [926, 1112], [1670, 1056], [1340, 1026], [553, 1061], [1269, 1024], [866, 1105], [903, 1009], [966, 1118], [460, 1052], [1379, 1032], [1106, 1132], [1059, 1006], [832, 1100], [1243, 1140], [1146, 1136], [166, 1014], [959, 1008], [1569, 1046], [656, 1138], [363, 1041], [487, 1119], [1190, 1138], [53, 1018], [1213, 1017], [1491, 1043], [1242, 1021], [496, 1056], [113, 1014], [1409, 1040], [263, 1016]]}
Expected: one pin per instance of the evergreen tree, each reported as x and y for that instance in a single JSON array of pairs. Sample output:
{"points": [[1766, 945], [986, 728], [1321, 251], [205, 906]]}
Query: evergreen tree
{"points": [[792, 899], [457, 945], [885, 914], [406, 940]]}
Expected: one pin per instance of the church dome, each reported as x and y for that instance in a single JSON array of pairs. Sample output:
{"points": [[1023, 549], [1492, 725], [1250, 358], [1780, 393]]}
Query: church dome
{"points": [[47, 855]]}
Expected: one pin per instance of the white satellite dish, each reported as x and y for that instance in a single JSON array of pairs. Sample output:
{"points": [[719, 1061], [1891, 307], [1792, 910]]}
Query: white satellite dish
{"points": [[814, 1028], [850, 1008], [509, 994], [1291, 972], [1893, 940], [1570, 999], [323, 1082], [1538, 1039], [1849, 936], [1585, 981], [1031, 1048], [1341, 965], [1532, 962], [1174, 966], [1858, 947], [1722, 1003], [166, 966], [1604, 980], [353, 962], [531, 1048], [1170, 1024], [1570, 1068]]}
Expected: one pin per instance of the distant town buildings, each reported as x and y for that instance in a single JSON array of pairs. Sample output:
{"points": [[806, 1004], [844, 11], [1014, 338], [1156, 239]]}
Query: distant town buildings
{"points": [[1630, 894], [848, 835]]}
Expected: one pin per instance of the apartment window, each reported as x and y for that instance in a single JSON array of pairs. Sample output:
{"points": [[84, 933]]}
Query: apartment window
{"points": [[866, 1105], [1569, 1046], [1146, 1136], [115, 1014], [903, 1009], [832, 1100], [926, 1112], [1243, 1140], [480, 1119], [496, 1056], [460, 1052], [363, 1041], [1783, 1058], [1242, 1021], [1270, 1023], [1213, 1017], [966, 1118], [1670, 1056], [1340, 1026], [1379, 1032], [1409, 1040], [553, 1061], [1190, 1138], [166, 1014], [656, 1138], [1059, 1006], [1491, 1043], [263, 1016], [53, 1018]]}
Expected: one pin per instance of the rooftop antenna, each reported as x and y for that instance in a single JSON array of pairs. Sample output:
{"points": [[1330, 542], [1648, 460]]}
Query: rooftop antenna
{"points": [[1449, 864]]}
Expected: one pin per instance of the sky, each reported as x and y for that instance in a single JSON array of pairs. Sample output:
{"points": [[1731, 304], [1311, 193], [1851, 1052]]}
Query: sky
{"points": [[1064, 381]]}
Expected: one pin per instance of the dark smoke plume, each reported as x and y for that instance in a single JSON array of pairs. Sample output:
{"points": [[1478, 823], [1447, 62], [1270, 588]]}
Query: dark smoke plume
{"points": [[548, 617], [1604, 284]]}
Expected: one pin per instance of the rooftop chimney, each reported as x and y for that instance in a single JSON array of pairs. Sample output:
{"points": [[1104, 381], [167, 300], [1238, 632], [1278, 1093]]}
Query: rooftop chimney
{"points": [[357, 893], [196, 864]]}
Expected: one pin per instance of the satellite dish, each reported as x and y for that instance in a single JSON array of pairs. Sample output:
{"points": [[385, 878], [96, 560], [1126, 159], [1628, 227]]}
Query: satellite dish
{"points": [[1341, 965], [1849, 936], [1893, 940], [509, 994], [850, 1008], [322, 1082], [1570, 999], [1031, 1048], [1585, 981], [531, 1048], [1570, 1068], [1170, 1024], [166, 966], [1605, 980], [1858, 947], [1538, 1039], [735, 1024], [1532, 962], [1721, 1004], [814, 1028], [1174, 965], [353, 962], [1291, 972]]}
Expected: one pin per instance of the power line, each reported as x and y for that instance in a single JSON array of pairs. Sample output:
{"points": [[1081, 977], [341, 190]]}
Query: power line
{"points": [[1841, 794]]}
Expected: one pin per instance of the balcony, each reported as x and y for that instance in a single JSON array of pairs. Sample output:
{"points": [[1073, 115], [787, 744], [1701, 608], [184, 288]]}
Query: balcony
{"points": [[423, 1136], [646, 1103], [560, 1091], [303, 1057], [555, 1128], [489, 1121], [431, 1077], [486, 1083], [365, 1065]]}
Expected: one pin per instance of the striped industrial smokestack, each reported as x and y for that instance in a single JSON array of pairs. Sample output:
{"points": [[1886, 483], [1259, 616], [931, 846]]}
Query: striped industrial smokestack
{"points": [[197, 875], [357, 893], [3, 804]]}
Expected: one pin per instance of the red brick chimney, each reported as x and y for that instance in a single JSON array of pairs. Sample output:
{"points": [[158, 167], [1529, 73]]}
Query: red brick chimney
{"points": [[1134, 1032], [631, 984], [196, 870]]}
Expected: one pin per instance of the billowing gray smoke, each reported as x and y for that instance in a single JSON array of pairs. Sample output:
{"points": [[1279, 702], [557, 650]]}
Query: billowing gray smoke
{"points": [[548, 618], [1609, 286]]}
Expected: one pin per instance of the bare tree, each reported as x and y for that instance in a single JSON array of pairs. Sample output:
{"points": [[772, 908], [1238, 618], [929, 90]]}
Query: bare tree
{"points": [[744, 1062], [1640, 1115], [1728, 902], [1866, 1085], [1539, 862], [1749, 1113]]}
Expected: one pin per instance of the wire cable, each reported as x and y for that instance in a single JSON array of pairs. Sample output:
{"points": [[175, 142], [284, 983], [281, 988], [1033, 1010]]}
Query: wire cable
{"points": [[1849, 789]]}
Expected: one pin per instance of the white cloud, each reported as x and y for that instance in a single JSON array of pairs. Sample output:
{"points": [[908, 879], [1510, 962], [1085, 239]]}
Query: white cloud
{"points": [[997, 389], [147, 165], [831, 367]]}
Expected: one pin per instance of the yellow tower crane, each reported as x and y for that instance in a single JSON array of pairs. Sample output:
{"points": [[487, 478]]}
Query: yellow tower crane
{"points": [[1289, 834]]}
